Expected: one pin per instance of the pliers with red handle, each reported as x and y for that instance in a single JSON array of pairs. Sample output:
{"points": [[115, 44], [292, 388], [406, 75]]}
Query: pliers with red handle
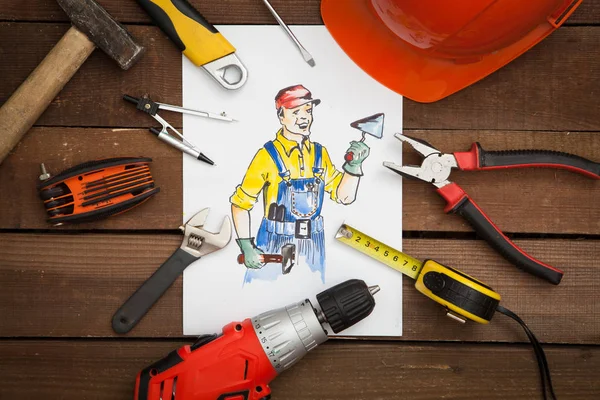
{"points": [[436, 168]]}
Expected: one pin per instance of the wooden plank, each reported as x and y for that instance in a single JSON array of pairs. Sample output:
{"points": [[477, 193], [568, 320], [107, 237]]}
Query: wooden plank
{"points": [[532, 201], [546, 89], [104, 105], [61, 148], [70, 286], [336, 370], [224, 11], [533, 92]]}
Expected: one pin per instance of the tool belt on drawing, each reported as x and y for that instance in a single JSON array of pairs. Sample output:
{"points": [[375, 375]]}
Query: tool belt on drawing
{"points": [[300, 229]]}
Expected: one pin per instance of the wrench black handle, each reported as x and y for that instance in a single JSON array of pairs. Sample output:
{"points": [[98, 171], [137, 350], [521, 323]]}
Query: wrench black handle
{"points": [[478, 159], [132, 311], [460, 203]]}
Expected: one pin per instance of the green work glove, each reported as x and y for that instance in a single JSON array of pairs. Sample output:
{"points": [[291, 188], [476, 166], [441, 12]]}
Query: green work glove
{"points": [[360, 151], [251, 253]]}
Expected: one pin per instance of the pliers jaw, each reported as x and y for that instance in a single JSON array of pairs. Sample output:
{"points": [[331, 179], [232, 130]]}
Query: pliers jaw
{"points": [[435, 168]]}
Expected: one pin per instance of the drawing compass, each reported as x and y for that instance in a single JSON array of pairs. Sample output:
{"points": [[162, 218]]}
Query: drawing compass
{"points": [[176, 139]]}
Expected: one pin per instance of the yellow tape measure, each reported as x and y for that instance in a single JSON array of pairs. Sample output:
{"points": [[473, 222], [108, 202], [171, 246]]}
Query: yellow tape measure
{"points": [[383, 253], [458, 292]]}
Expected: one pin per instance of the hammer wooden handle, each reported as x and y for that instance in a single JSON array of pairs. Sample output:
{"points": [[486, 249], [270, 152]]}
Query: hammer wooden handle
{"points": [[264, 258], [30, 100]]}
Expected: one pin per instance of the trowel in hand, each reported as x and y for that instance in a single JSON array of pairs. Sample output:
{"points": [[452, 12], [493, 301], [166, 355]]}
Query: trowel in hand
{"points": [[372, 125]]}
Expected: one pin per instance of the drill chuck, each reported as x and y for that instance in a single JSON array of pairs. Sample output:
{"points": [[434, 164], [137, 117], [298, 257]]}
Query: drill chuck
{"points": [[347, 303], [287, 334]]}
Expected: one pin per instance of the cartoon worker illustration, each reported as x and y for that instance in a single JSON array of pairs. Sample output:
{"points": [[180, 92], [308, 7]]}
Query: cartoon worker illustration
{"points": [[293, 173]]}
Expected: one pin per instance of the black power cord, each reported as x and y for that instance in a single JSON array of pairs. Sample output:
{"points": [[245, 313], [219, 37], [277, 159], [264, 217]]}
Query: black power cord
{"points": [[539, 353]]}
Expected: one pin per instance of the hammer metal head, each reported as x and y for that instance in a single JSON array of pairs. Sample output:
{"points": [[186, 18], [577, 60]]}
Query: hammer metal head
{"points": [[372, 125], [288, 257], [106, 33]]}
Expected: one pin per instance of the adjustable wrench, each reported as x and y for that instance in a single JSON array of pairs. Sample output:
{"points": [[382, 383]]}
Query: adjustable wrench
{"points": [[197, 242]]}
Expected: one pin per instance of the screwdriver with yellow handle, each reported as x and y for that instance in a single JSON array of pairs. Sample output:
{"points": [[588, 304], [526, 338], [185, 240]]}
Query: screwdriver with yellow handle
{"points": [[463, 296], [199, 40]]}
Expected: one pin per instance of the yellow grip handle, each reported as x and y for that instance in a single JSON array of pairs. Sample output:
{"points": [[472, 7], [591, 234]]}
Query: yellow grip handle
{"points": [[199, 40]]}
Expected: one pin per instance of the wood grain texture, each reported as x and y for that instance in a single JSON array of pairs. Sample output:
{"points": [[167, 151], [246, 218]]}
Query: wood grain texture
{"points": [[60, 148], [71, 285], [59, 289], [96, 370], [545, 89], [94, 96], [530, 201], [517, 200], [224, 11]]}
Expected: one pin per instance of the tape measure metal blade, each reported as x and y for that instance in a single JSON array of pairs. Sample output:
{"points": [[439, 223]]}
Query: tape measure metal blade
{"points": [[381, 252]]}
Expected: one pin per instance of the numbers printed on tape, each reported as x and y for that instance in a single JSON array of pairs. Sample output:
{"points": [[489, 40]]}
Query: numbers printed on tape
{"points": [[383, 253]]}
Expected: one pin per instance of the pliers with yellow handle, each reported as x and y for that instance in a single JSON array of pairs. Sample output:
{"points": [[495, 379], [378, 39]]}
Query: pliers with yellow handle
{"points": [[436, 168]]}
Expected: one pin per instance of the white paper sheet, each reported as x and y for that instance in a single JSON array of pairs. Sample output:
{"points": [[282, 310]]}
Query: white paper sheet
{"points": [[214, 293]]}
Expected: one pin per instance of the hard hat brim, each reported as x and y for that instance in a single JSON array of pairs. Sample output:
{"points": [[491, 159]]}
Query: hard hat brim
{"points": [[364, 37]]}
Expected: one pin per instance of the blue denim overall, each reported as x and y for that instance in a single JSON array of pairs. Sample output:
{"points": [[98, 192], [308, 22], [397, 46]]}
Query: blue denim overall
{"points": [[302, 222]]}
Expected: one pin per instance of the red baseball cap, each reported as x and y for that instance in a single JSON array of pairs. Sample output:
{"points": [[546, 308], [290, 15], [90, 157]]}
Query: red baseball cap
{"points": [[294, 96]]}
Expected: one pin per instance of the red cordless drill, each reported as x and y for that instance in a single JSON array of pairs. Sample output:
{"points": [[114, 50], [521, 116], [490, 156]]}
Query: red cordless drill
{"points": [[240, 363]]}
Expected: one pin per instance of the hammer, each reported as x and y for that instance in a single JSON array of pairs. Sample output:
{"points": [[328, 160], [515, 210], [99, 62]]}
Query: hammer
{"points": [[92, 27], [286, 259]]}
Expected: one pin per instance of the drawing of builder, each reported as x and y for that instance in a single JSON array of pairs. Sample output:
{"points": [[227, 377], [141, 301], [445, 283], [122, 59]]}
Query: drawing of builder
{"points": [[293, 173]]}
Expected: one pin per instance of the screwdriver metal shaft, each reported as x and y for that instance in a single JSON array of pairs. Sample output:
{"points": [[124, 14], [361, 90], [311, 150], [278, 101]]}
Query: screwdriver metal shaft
{"points": [[305, 54]]}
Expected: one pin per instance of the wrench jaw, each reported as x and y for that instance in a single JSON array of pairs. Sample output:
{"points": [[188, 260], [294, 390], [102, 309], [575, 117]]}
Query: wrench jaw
{"points": [[228, 71], [198, 219], [216, 241], [199, 242]]}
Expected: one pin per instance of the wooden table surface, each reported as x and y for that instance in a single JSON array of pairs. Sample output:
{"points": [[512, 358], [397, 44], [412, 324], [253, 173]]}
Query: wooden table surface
{"points": [[60, 286]]}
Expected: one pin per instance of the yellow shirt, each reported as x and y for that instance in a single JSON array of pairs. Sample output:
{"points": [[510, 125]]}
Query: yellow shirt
{"points": [[262, 174]]}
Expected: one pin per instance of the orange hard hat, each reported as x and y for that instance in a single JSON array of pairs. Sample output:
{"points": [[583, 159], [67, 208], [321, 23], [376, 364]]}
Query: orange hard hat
{"points": [[428, 49]]}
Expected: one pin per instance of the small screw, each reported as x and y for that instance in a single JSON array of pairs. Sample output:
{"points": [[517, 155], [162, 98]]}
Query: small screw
{"points": [[45, 175], [147, 106]]}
